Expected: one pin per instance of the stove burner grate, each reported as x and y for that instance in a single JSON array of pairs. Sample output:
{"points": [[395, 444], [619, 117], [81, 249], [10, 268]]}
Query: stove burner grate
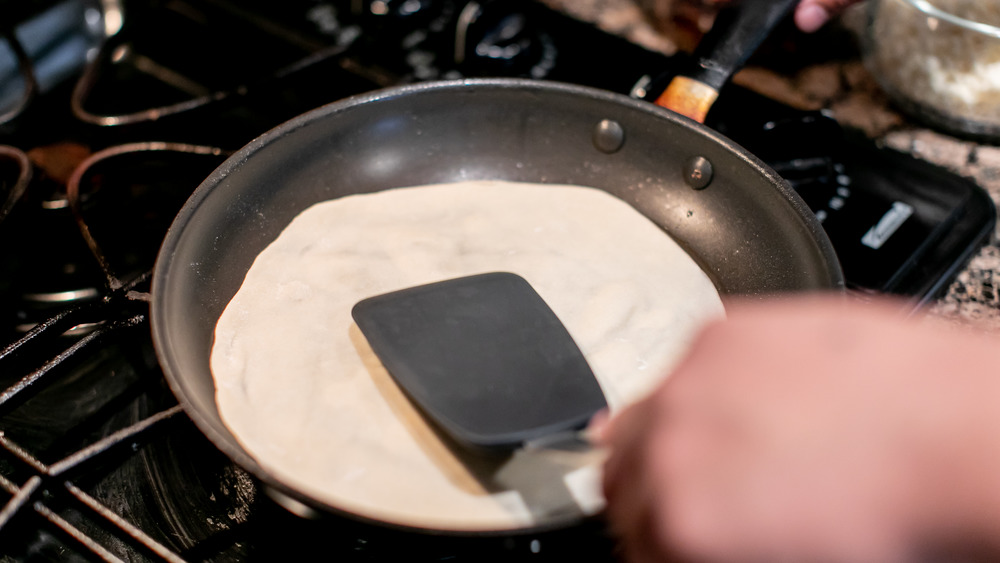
{"points": [[43, 492]]}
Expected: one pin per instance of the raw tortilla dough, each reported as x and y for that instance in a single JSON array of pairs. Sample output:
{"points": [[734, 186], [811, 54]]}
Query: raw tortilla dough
{"points": [[299, 389]]}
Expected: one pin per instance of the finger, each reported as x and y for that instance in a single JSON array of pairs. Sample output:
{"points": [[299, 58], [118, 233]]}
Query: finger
{"points": [[597, 429], [623, 435], [810, 15]]}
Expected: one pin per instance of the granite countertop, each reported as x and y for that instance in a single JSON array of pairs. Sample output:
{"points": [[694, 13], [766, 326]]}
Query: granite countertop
{"points": [[837, 80]]}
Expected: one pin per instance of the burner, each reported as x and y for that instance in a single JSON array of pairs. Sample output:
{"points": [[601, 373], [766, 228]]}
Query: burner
{"points": [[135, 190], [15, 174], [144, 74], [46, 267], [124, 196]]}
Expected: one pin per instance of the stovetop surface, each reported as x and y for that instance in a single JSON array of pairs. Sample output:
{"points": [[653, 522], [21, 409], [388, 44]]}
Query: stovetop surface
{"points": [[97, 461]]}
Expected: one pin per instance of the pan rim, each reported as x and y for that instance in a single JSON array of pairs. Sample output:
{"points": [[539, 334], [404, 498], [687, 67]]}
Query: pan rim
{"points": [[176, 231]]}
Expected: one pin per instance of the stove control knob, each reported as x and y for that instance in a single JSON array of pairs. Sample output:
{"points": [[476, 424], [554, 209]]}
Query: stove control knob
{"points": [[399, 11], [493, 40]]}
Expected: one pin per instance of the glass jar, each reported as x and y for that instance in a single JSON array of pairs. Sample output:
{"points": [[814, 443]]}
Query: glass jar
{"points": [[939, 60]]}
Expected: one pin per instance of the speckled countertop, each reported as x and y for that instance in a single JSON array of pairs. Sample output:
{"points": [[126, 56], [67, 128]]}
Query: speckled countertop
{"points": [[840, 83]]}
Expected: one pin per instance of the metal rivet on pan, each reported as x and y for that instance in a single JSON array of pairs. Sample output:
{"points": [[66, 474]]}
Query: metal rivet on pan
{"points": [[609, 136], [698, 172]]}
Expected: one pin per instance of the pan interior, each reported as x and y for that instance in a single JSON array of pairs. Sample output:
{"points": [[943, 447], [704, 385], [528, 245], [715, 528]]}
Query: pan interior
{"points": [[747, 230]]}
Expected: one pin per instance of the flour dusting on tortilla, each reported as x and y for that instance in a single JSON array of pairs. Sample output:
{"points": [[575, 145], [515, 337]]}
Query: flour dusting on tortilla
{"points": [[298, 387]]}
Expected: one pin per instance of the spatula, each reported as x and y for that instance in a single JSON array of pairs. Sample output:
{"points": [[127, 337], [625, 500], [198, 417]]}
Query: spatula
{"points": [[484, 358]]}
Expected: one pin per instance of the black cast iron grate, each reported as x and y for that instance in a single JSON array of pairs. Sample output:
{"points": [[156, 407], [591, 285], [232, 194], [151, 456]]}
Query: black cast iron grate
{"points": [[52, 495]]}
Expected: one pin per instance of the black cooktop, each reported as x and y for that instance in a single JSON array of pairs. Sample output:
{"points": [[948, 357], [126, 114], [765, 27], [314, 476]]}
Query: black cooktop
{"points": [[97, 461]]}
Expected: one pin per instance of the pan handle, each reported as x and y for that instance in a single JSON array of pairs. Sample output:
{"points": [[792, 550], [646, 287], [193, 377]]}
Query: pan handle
{"points": [[738, 31]]}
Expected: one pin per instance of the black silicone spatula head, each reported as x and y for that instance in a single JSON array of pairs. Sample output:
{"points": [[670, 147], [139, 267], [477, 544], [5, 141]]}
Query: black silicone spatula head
{"points": [[484, 357]]}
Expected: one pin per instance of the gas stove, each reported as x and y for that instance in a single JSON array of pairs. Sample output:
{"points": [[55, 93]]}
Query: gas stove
{"points": [[112, 112]]}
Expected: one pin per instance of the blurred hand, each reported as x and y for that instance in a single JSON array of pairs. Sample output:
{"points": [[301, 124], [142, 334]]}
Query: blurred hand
{"points": [[812, 430], [810, 15]]}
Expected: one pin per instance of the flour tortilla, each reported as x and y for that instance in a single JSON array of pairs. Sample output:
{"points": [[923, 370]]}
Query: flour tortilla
{"points": [[299, 388]]}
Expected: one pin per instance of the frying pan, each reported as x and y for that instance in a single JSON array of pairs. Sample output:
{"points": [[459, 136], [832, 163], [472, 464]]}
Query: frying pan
{"points": [[737, 218]]}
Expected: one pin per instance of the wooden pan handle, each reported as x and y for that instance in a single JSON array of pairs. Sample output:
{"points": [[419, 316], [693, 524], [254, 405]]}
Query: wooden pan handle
{"points": [[738, 31]]}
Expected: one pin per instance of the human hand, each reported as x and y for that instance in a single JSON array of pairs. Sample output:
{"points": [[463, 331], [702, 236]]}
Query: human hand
{"points": [[810, 15], [812, 430]]}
